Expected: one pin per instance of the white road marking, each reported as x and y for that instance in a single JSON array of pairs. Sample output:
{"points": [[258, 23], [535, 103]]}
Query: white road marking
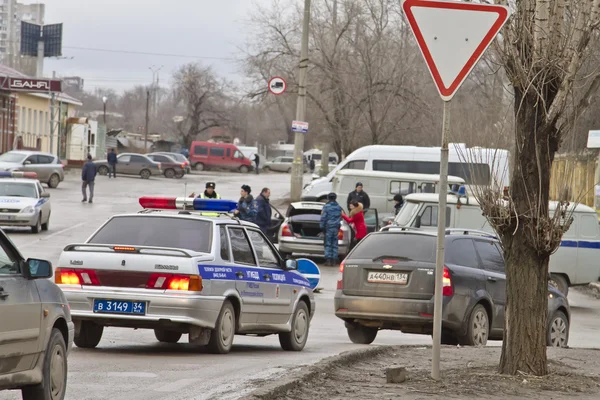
{"points": [[52, 235]]}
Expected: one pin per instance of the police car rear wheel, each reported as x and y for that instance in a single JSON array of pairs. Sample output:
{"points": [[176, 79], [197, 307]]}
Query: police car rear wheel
{"points": [[165, 336], [221, 338], [296, 339], [89, 335]]}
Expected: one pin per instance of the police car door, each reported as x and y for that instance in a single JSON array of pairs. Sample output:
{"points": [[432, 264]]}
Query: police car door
{"points": [[249, 283], [277, 295]]}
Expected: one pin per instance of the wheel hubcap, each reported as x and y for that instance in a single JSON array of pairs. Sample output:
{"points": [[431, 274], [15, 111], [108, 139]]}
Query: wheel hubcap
{"points": [[227, 328], [57, 372], [54, 180], [301, 326], [558, 333], [480, 329]]}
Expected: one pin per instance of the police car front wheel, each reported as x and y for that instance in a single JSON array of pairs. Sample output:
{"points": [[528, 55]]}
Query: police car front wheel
{"points": [[221, 338], [296, 339]]}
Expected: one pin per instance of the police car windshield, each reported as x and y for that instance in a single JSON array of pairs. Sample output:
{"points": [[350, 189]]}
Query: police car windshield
{"points": [[14, 189], [12, 157], [180, 233]]}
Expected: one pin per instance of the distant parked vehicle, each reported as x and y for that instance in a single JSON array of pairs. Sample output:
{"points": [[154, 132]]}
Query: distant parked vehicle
{"points": [[205, 155], [171, 168], [47, 166], [132, 164], [281, 164], [179, 158]]}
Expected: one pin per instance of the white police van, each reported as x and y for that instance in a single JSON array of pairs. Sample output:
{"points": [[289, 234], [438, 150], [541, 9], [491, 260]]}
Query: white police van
{"points": [[23, 201], [574, 263], [184, 266]]}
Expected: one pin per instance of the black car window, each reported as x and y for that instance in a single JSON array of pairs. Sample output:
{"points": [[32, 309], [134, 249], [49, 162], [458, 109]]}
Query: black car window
{"points": [[201, 150], [228, 152], [356, 164], [491, 259], [217, 152], [397, 245], [224, 243], [240, 246], [124, 159], [45, 159], [462, 252], [32, 159], [179, 233], [139, 160], [266, 256], [429, 217]]}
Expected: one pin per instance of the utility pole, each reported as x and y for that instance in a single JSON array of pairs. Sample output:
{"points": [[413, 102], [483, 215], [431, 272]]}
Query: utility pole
{"points": [[298, 164], [147, 120], [325, 150], [155, 81]]}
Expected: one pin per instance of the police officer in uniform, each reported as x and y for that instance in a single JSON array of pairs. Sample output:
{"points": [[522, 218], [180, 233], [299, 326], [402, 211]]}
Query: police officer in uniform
{"points": [[209, 192]]}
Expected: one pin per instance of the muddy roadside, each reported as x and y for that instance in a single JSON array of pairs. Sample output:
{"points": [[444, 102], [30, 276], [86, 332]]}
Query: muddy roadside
{"points": [[467, 373]]}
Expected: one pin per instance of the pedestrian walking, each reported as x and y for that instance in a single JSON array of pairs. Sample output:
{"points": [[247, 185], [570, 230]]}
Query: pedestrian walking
{"points": [[311, 165], [209, 192], [359, 195], [357, 219], [246, 210], [88, 176], [112, 163], [330, 225], [257, 162], [263, 216], [398, 203]]}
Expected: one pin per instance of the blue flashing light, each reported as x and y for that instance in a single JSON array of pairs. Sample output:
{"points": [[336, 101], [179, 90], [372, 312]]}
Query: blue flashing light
{"points": [[215, 205], [462, 191]]}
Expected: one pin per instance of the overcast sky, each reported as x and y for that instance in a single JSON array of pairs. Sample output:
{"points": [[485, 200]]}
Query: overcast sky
{"points": [[203, 28]]}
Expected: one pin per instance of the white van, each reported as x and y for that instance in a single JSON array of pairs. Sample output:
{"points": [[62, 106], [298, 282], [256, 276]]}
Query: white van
{"points": [[483, 167], [574, 263], [381, 186]]}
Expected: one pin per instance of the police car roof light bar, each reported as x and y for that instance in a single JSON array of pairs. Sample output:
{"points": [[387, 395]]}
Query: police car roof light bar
{"points": [[214, 205], [18, 174], [176, 203], [163, 203]]}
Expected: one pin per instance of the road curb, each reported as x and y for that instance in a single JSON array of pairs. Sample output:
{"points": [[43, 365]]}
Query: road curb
{"points": [[277, 389]]}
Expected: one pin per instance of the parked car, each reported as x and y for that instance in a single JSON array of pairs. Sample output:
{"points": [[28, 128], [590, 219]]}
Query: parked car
{"points": [[205, 155], [33, 348], [281, 164], [132, 164], [179, 158], [387, 282], [170, 167], [47, 166], [300, 231]]}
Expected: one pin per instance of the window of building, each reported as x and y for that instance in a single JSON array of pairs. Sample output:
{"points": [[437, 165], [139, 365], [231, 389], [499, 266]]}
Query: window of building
{"points": [[35, 122], [29, 120], [47, 124]]}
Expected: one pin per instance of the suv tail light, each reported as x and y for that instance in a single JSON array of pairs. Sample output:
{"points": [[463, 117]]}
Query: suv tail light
{"points": [[447, 289], [76, 277], [340, 282], [286, 231], [340, 235], [175, 282]]}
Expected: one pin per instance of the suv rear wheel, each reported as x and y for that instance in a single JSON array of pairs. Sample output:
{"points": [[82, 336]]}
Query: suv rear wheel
{"points": [[165, 336], [89, 335], [478, 328], [54, 372], [360, 334]]}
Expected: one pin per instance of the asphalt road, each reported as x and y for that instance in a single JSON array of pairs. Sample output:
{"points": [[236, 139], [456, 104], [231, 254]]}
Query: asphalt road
{"points": [[131, 364]]}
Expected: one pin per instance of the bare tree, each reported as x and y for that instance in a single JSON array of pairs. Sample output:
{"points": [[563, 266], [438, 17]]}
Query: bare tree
{"points": [[200, 95], [543, 48]]}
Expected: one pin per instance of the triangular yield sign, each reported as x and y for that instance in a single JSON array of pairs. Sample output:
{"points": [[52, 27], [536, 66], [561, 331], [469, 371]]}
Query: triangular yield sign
{"points": [[452, 37]]}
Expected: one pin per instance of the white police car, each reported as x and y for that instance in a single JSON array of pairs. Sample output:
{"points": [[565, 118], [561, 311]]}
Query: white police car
{"points": [[23, 201], [184, 266]]}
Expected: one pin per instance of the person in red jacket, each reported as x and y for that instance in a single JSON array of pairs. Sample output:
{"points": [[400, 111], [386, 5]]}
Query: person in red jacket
{"points": [[357, 217]]}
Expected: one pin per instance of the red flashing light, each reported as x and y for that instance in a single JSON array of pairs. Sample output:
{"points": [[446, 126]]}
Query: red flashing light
{"points": [[164, 203], [447, 289]]}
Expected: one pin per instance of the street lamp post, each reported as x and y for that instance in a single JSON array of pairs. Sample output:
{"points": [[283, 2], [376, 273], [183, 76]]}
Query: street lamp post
{"points": [[104, 99]]}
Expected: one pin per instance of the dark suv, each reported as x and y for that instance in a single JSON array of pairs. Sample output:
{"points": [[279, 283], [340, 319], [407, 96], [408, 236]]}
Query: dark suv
{"points": [[387, 282]]}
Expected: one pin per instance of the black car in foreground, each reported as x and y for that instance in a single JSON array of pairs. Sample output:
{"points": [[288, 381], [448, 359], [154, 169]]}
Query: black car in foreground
{"points": [[387, 282]]}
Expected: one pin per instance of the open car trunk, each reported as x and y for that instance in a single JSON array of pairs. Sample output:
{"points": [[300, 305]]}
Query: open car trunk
{"points": [[306, 226]]}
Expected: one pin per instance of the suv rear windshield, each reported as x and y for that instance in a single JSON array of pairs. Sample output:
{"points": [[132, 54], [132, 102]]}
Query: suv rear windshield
{"points": [[157, 232], [397, 245]]}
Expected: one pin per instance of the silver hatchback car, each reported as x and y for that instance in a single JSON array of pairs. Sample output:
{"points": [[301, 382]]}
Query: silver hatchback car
{"points": [[47, 166]]}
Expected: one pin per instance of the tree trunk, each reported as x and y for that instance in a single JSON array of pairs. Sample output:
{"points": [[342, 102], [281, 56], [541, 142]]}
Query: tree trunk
{"points": [[524, 345]]}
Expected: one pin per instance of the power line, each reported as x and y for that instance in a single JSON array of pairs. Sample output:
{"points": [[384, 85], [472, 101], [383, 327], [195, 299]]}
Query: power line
{"points": [[147, 53]]}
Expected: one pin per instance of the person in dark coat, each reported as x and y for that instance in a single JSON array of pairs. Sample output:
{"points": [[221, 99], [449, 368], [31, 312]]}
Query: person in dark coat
{"points": [[88, 176], [330, 225], [246, 210], [111, 158], [398, 203], [263, 216], [257, 162], [359, 195], [311, 165]]}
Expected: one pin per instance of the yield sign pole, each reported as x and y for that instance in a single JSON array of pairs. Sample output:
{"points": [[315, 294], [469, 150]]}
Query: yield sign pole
{"points": [[452, 37]]}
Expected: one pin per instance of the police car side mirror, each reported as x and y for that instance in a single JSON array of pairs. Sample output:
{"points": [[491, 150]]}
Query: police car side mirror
{"points": [[291, 265]]}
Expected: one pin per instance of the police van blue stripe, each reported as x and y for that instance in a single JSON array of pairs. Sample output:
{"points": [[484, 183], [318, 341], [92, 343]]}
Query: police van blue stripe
{"points": [[582, 244], [251, 274]]}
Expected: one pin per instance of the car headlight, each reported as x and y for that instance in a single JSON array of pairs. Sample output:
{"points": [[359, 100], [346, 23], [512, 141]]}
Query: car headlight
{"points": [[28, 210]]}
